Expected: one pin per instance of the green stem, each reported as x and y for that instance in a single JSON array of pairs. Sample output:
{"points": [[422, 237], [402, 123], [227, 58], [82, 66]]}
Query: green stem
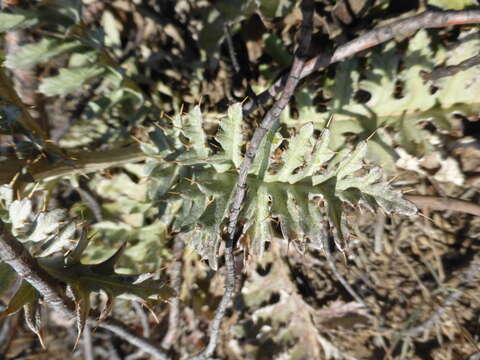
{"points": [[81, 162]]}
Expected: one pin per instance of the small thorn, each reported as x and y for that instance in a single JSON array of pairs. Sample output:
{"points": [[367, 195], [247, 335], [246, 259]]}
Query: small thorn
{"points": [[33, 190], [425, 216], [329, 121], [371, 135]]}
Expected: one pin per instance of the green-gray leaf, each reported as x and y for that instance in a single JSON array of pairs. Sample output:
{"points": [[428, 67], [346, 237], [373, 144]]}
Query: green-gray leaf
{"points": [[30, 55], [69, 80]]}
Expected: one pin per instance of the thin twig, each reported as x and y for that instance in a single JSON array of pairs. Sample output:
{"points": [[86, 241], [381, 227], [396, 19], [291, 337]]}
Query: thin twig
{"points": [[14, 254], [175, 272], [444, 203], [269, 122], [452, 70], [398, 29]]}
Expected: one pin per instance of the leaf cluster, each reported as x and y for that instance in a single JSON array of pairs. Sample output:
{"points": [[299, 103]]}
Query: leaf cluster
{"points": [[58, 246], [291, 180]]}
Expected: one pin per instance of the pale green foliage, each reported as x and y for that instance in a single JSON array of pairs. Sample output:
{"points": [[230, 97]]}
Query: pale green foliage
{"points": [[51, 235], [19, 20], [30, 226], [69, 80], [463, 86], [19, 212], [453, 4], [191, 126], [84, 279], [65, 13], [30, 55], [86, 60], [289, 188], [46, 224], [230, 135], [384, 106], [130, 217], [112, 33]]}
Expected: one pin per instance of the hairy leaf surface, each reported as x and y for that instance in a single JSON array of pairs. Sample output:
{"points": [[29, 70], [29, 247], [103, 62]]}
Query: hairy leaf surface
{"points": [[282, 188]]}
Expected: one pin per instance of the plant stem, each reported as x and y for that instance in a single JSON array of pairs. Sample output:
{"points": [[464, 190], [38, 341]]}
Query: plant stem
{"points": [[80, 162], [14, 254], [396, 30], [269, 122]]}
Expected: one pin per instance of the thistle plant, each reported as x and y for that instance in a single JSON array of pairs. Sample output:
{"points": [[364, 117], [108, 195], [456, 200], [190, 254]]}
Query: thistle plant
{"points": [[177, 178]]}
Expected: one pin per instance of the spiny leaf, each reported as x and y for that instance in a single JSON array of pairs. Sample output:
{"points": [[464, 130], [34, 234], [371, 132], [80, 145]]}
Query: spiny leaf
{"points": [[258, 220], [161, 141], [32, 318], [353, 162], [62, 241], [82, 307], [294, 156], [320, 155], [269, 143], [107, 266], [230, 136], [207, 235], [6, 195], [90, 278], [76, 254], [379, 81], [47, 223], [282, 187], [30, 55], [334, 207], [194, 204], [21, 19], [162, 179], [193, 130], [19, 212], [69, 80]]}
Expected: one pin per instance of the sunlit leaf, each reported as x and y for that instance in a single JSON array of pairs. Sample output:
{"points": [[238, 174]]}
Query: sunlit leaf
{"points": [[17, 21], [19, 212], [453, 4], [47, 223], [69, 80], [30, 55]]}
